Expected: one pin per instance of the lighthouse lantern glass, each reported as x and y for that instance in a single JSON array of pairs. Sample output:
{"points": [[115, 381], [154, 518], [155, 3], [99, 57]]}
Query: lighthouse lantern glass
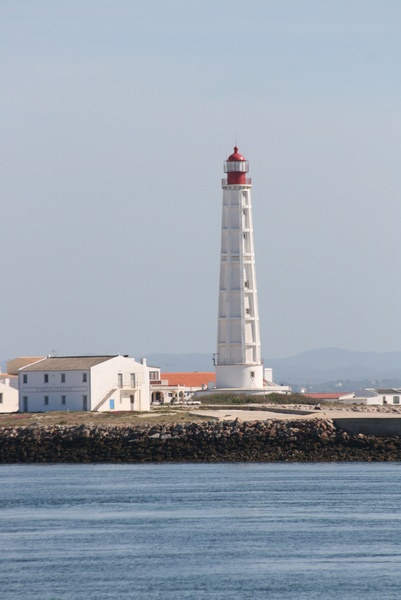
{"points": [[234, 166]]}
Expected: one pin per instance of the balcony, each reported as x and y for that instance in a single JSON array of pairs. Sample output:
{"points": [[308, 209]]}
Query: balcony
{"points": [[248, 181]]}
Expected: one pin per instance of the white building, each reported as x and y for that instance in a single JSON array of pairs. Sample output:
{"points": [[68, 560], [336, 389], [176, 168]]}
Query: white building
{"points": [[373, 397], [238, 361], [8, 396], [91, 383], [9, 383], [179, 388]]}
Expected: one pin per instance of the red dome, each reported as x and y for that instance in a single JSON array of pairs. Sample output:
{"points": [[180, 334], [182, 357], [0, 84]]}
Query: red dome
{"points": [[236, 156]]}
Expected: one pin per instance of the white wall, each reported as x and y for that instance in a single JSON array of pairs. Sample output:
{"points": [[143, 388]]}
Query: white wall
{"points": [[8, 397], [239, 376], [74, 389], [379, 400], [268, 374], [238, 337], [390, 398], [359, 400], [105, 383]]}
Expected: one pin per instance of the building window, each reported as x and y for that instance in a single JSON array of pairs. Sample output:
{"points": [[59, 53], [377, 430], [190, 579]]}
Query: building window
{"points": [[62, 377], [84, 402], [46, 378], [1, 398], [84, 377], [396, 399], [120, 380], [153, 375], [252, 374], [25, 403], [63, 400], [25, 379], [46, 399], [132, 379], [247, 284]]}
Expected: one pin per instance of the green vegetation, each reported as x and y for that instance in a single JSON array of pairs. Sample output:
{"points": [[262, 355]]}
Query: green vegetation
{"points": [[166, 415], [290, 399], [229, 399]]}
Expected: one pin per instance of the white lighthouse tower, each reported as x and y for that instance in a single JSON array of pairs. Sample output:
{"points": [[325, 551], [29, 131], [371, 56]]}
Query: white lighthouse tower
{"points": [[238, 360]]}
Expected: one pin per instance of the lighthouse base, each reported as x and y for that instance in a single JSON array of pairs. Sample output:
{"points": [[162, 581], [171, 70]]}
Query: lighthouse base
{"points": [[239, 376]]}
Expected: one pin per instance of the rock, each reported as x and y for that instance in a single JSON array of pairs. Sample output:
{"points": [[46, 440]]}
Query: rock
{"points": [[296, 440]]}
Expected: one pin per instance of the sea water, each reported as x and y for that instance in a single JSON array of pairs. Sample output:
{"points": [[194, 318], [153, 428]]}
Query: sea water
{"points": [[194, 531]]}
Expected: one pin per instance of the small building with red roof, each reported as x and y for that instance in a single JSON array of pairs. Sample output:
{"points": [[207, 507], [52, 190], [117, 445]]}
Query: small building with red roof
{"points": [[178, 388]]}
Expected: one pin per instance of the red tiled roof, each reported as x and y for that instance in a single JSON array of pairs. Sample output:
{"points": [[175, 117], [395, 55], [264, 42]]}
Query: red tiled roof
{"points": [[194, 379]]}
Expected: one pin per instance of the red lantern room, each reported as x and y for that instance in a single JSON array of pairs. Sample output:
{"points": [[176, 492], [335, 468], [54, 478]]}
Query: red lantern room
{"points": [[236, 167]]}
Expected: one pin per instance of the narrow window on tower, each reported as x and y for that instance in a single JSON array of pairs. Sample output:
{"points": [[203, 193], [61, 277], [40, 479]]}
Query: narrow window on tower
{"points": [[62, 377], [46, 378], [63, 400], [46, 399], [247, 284]]}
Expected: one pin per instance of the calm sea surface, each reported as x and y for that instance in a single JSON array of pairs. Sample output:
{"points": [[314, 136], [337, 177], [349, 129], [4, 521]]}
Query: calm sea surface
{"points": [[226, 531]]}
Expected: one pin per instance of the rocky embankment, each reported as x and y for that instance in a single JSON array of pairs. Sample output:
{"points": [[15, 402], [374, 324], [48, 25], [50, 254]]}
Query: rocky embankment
{"points": [[270, 441]]}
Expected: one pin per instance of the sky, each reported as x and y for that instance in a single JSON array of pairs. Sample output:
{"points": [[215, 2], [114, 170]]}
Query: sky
{"points": [[116, 117]]}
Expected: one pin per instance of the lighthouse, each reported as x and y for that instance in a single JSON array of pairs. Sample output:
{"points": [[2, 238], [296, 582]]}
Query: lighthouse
{"points": [[238, 360]]}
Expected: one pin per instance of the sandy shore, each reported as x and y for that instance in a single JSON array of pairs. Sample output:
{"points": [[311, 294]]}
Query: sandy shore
{"points": [[290, 412]]}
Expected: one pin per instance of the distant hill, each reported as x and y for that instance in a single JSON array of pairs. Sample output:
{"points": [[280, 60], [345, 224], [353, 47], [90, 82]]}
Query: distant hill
{"points": [[331, 364], [323, 367]]}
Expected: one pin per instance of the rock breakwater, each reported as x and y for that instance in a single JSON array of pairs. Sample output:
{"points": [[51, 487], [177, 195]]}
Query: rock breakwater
{"points": [[256, 441]]}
